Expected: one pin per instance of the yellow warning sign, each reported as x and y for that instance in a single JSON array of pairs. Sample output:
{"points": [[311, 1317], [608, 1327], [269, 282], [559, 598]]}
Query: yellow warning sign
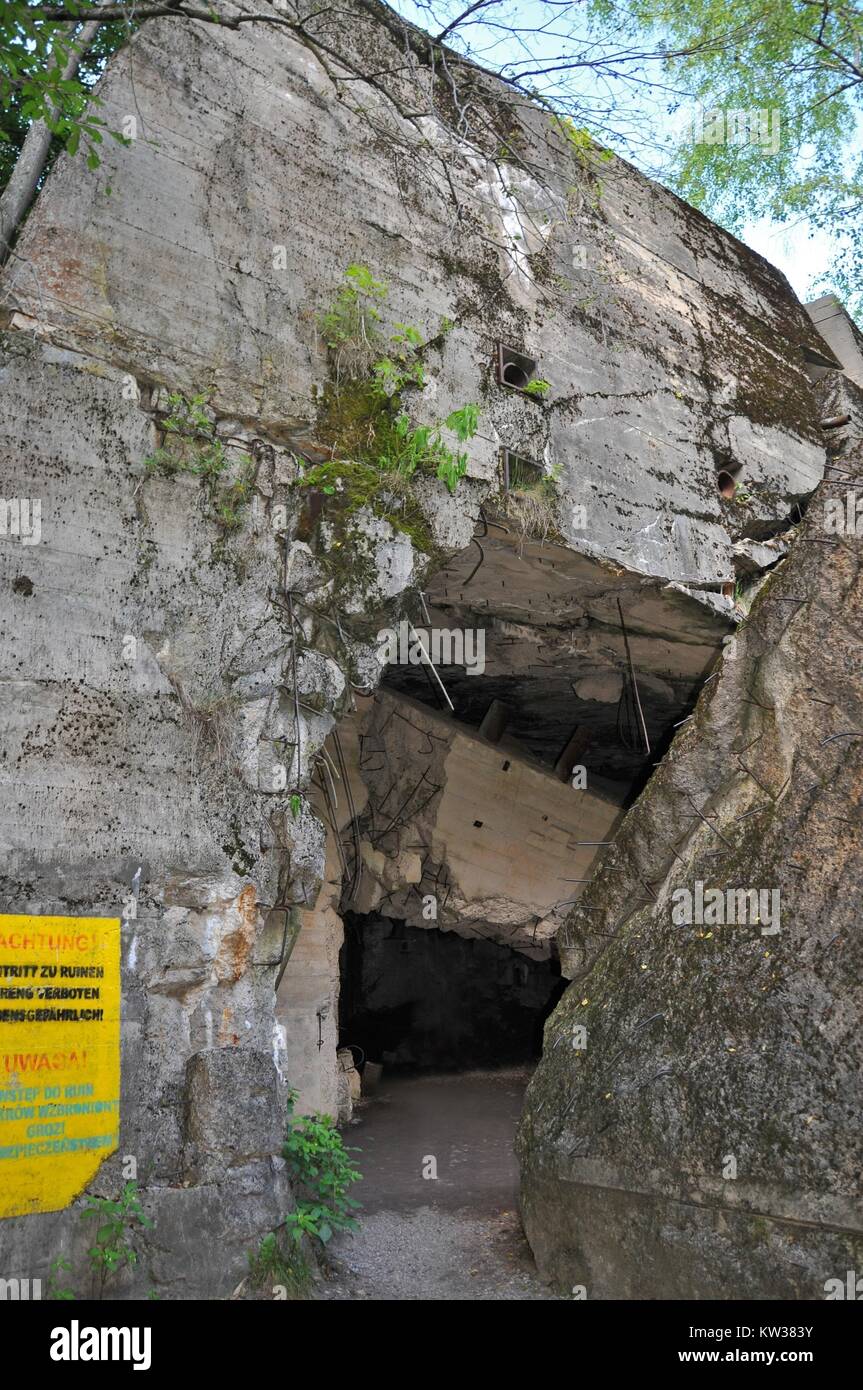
{"points": [[59, 1057]]}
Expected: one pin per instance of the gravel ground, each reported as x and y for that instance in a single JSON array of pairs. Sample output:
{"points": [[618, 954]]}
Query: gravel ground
{"points": [[455, 1237], [430, 1254]]}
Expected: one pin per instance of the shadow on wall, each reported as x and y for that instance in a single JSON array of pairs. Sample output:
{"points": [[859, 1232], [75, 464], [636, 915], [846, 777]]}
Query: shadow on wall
{"points": [[421, 999]]}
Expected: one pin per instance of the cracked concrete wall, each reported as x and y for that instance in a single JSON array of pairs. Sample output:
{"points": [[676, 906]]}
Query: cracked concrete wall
{"points": [[149, 660], [113, 802], [674, 344], [840, 332]]}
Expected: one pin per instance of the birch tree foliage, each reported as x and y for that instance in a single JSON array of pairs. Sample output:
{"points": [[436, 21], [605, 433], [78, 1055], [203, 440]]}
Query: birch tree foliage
{"points": [[34, 52], [785, 77]]}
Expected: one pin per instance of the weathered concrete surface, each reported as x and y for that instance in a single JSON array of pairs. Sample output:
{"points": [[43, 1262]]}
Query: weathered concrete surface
{"points": [[840, 332], [683, 347], [673, 346], [148, 659], [118, 801], [707, 1044]]}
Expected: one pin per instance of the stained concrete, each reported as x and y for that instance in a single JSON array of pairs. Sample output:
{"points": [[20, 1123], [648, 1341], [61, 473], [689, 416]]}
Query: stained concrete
{"points": [[227, 229], [471, 836], [840, 332], [674, 346]]}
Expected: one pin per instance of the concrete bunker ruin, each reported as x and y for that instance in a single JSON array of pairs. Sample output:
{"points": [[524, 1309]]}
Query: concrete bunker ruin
{"points": [[146, 787], [474, 800]]}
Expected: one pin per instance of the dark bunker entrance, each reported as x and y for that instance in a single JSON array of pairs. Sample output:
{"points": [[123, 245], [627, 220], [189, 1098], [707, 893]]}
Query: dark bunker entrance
{"points": [[419, 999]]}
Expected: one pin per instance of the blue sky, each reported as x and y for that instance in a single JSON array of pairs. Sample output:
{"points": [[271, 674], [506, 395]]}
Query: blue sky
{"points": [[800, 257]]}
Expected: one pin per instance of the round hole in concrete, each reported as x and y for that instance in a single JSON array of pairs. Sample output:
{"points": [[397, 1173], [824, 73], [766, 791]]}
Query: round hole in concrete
{"points": [[514, 375], [726, 482]]}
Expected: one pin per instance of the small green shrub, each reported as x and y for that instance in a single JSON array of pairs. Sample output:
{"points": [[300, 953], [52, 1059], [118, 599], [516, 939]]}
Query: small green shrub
{"points": [[355, 313], [57, 1291], [320, 1167], [581, 142], [112, 1249], [375, 451], [588, 154], [533, 505], [538, 387]]}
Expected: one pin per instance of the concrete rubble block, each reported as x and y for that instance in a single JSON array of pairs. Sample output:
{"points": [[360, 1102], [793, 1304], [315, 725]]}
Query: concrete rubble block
{"points": [[452, 517], [369, 895], [704, 1142], [350, 1084], [408, 867], [364, 666], [269, 641], [374, 859], [277, 934], [285, 469], [295, 743], [234, 1111], [389, 554], [320, 680], [303, 838], [230, 1217], [751, 557], [259, 684]]}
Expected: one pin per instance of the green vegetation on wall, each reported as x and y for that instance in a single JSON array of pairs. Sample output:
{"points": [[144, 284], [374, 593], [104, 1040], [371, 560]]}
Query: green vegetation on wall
{"points": [[191, 445], [377, 453], [113, 1249]]}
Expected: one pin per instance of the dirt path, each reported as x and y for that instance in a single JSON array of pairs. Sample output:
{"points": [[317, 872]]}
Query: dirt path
{"points": [[455, 1235]]}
